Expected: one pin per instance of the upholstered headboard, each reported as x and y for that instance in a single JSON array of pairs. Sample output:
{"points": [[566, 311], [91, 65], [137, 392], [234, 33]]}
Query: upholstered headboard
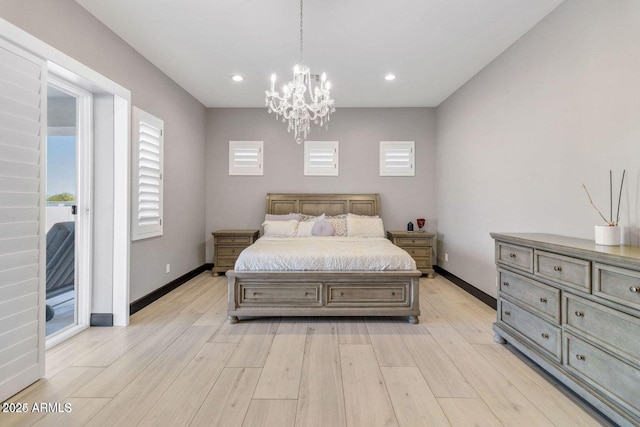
{"points": [[317, 204]]}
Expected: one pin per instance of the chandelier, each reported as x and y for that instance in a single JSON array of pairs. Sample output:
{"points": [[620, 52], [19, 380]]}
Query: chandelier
{"points": [[293, 105]]}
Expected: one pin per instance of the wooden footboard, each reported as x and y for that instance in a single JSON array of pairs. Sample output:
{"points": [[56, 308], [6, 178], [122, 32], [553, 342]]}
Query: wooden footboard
{"points": [[322, 293]]}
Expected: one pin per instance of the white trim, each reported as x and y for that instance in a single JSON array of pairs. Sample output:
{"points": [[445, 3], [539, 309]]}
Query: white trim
{"points": [[84, 186], [121, 245], [321, 158]]}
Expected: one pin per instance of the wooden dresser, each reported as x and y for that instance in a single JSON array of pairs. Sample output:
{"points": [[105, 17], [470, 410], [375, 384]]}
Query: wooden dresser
{"points": [[419, 244], [227, 245], [573, 307]]}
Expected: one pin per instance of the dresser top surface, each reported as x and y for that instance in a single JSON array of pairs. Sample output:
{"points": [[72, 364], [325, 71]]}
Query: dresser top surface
{"points": [[569, 243]]}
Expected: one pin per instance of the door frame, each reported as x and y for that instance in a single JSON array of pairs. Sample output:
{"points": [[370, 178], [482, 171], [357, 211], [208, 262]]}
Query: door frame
{"points": [[84, 200]]}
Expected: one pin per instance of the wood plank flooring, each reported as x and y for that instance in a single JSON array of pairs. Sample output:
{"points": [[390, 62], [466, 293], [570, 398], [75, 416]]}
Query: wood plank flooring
{"points": [[180, 364]]}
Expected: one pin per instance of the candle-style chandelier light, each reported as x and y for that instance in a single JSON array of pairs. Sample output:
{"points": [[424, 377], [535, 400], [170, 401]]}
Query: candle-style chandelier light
{"points": [[293, 105]]}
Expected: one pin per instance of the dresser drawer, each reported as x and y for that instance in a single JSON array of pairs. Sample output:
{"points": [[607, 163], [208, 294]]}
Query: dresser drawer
{"points": [[230, 250], [413, 241], [226, 262], [423, 263], [541, 332], [519, 257], [617, 284], [340, 294], [569, 271], [284, 295], [611, 328], [543, 299], [418, 251], [244, 240], [613, 377]]}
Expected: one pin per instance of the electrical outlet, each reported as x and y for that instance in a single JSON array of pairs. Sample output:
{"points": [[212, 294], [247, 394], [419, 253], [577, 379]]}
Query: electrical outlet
{"points": [[168, 268], [446, 257]]}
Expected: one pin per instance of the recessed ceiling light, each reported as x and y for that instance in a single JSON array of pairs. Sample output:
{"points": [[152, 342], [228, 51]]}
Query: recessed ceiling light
{"points": [[390, 77], [237, 78]]}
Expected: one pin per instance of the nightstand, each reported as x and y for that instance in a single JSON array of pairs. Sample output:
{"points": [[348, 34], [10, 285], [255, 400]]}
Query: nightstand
{"points": [[227, 245], [419, 245]]}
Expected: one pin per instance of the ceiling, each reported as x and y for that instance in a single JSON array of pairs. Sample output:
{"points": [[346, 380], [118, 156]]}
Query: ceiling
{"points": [[433, 46]]}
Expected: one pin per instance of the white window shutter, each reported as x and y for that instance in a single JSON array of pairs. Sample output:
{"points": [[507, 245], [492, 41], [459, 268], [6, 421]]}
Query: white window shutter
{"points": [[321, 158], [246, 158], [147, 194], [22, 230], [397, 158]]}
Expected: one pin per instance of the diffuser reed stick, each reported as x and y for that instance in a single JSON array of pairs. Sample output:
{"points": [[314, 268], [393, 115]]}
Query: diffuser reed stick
{"points": [[610, 222]]}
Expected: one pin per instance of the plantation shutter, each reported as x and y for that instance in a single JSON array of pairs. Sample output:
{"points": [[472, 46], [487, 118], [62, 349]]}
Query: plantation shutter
{"points": [[22, 214], [397, 158], [321, 158], [147, 175], [245, 158]]}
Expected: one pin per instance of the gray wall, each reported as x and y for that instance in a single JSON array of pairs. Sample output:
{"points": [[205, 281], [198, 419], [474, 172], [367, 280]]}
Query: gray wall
{"points": [[558, 109], [239, 201], [69, 28]]}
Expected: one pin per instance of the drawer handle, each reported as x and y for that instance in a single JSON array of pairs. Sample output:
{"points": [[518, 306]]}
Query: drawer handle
{"points": [[507, 313], [635, 289], [545, 336], [512, 255], [341, 294], [543, 299], [557, 268], [255, 293], [580, 357], [505, 283], [233, 251], [580, 313], [393, 294]]}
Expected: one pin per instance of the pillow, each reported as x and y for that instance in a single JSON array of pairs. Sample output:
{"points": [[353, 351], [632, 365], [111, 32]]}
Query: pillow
{"points": [[280, 228], [305, 226], [305, 217], [322, 228], [358, 226], [288, 217], [339, 225], [361, 216]]}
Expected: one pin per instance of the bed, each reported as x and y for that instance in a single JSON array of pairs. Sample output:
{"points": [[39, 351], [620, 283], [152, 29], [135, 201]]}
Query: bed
{"points": [[319, 292]]}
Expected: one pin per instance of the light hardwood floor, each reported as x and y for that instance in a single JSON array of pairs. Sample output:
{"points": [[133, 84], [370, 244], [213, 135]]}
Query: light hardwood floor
{"points": [[180, 363]]}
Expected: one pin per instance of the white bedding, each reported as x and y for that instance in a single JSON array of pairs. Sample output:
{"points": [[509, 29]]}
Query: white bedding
{"points": [[320, 253]]}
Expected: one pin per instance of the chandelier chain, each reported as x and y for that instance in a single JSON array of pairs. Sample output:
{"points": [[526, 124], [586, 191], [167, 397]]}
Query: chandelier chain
{"points": [[301, 33]]}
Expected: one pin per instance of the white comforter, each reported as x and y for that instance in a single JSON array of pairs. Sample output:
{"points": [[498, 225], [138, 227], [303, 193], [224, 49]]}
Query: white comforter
{"points": [[323, 254]]}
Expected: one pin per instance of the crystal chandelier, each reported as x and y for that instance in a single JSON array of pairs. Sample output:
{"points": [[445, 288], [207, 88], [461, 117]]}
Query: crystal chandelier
{"points": [[293, 105]]}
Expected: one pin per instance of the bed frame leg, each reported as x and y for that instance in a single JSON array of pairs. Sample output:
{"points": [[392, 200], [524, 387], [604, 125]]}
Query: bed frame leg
{"points": [[412, 319], [232, 319]]}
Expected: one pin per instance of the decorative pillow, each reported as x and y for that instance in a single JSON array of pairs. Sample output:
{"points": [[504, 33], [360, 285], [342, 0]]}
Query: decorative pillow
{"points": [[364, 227], [288, 217], [280, 228], [304, 228], [339, 225], [322, 228]]}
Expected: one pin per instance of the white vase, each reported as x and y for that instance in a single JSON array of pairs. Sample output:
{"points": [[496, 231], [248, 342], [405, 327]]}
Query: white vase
{"points": [[607, 235]]}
